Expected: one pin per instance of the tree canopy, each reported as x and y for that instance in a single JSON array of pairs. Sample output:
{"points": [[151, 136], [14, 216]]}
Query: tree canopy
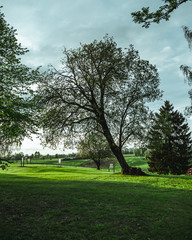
{"points": [[100, 88], [169, 142], [16, 94]]}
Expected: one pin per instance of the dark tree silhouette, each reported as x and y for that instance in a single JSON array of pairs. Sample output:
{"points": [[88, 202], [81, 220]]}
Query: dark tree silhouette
{"points": [[103, 88], [169, 142], [146, 17]]}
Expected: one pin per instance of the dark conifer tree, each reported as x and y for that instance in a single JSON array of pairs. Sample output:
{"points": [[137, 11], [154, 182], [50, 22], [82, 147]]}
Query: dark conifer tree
{"points": [[169, 142]]}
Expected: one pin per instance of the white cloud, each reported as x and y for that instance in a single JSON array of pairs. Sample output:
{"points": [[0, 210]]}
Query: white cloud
{"points": [[166, 49]]}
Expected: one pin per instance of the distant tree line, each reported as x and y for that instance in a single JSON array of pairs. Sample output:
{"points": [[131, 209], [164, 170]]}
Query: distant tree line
{"points": [[36, 155]]}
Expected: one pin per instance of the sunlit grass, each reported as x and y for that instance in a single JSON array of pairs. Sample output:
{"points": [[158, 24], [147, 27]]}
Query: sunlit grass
{"points": [[90, 174], [73, 203]]}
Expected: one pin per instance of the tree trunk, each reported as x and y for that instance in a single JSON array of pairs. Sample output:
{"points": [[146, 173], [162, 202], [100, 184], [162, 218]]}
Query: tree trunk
{"points": [[125, 168], [98, 164]]}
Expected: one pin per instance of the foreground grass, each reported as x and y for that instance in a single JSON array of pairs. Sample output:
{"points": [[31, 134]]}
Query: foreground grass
{"points": [[72, 203]]}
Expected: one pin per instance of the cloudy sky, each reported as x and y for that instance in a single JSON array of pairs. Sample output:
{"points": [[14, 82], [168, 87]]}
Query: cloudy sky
{"points": [[45, 27]]}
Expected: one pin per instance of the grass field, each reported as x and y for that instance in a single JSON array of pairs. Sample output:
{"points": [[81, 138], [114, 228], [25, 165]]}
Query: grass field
{"points": [[74, 203], [130, 158]]}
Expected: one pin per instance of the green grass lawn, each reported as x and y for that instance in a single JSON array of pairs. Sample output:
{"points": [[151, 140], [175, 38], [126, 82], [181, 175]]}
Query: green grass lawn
{"points": [[74, 203], [130, 158], [54, 161]]}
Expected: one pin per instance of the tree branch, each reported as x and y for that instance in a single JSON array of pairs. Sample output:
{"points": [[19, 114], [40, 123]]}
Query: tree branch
{"points": [[146, 17]]}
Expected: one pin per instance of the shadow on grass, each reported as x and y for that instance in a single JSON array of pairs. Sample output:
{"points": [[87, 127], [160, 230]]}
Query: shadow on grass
{"points": [[40, 208]]}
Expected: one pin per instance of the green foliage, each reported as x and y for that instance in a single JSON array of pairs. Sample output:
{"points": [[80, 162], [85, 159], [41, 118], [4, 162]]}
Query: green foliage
{"points": [[146, 17], [127, 150], [187, 70], [37, 155], [3, 165], [188, 35], [169, 142], [95, 147], [139, 151], [18, 156], [16, 95]]}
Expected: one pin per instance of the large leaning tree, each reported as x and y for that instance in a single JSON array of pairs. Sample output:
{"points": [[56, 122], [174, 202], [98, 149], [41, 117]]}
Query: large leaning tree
{"points": [[16, 95], [100, 87]]}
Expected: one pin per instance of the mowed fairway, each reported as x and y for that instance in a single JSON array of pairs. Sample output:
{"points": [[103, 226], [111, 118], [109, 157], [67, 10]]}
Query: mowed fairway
{"points": [[74, 203]]}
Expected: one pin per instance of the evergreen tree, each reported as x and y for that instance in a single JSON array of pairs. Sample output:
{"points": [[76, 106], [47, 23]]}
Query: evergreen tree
{"points": [[169, 142]]}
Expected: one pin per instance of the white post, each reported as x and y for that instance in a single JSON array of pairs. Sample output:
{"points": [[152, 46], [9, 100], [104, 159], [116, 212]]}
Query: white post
{"points": [[22, 162], [59, 163], [111, 166]]}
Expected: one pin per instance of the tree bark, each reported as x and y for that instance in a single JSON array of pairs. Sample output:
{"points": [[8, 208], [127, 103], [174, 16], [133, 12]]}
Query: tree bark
{"points": [[98, 164], [125, 168]]}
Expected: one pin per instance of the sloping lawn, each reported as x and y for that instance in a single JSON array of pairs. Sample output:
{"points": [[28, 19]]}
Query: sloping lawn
{"points": [[71, 203]]}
